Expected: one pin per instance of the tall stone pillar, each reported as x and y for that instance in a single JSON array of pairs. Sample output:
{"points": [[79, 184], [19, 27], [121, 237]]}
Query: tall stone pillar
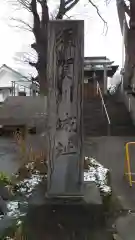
{"points": [[65, 100]]}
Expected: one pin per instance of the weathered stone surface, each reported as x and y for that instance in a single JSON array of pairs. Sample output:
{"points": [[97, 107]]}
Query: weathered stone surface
{"points": [[3, 206], [37, 197], [92, 194], [6, 223], [65, 176], [4, 192], [65, 83]]}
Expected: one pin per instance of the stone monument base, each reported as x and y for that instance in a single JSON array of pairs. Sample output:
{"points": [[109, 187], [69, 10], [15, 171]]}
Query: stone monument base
{"points": [[89, 194]]}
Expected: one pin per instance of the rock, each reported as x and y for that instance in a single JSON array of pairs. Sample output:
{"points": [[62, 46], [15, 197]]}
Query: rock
{"points": [[3, 206], [92, 194], [99, 174], [5, 224], [4, 192], [37, 197]]}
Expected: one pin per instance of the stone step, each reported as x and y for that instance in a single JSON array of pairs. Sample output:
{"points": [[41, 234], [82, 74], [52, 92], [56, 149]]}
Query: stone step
{"points": [[95, 121]]}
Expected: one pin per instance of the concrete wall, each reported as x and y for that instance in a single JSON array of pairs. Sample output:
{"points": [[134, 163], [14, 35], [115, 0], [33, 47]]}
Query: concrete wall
{"points": [[129, 101], [27, 110]]}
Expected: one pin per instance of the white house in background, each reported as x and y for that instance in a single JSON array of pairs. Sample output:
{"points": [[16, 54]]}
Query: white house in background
{"points": [[8, 76]]}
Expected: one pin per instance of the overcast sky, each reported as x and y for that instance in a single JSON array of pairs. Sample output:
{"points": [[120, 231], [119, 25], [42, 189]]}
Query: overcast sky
{"points": [[96, 44]]}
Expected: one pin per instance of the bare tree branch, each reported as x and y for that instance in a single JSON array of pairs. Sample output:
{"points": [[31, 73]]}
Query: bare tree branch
{"points": [[24, 3], [65, 6], [39, 29], [72, 4], [28, 27], [45, 13], [98, 12], [61, 9], [36, 24], [107, 2]]}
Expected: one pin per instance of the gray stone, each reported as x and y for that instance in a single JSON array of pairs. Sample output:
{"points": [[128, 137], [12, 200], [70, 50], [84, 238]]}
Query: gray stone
{"points": [[37, 197], [64, 110], [64, 180], [4, 192], [125, 227], [5, 223], [3, 206], [92, 193]]}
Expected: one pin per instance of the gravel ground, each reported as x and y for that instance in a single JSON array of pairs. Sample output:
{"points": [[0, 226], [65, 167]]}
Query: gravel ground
{"points": [[66, 223]]}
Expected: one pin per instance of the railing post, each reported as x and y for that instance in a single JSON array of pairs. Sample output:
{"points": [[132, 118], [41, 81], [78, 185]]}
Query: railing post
{"points": [[13, 88], [108, 129], [129, 105], [30, 91], [102, 106], [105, 79], [97, 88]]}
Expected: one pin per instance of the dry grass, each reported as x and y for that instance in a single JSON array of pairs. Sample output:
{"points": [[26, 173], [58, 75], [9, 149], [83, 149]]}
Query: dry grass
{"points": [[28, 155], [19, 234], [26, 152]]}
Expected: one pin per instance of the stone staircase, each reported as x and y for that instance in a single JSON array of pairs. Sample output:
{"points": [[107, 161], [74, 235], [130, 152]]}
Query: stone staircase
{"points": [[95, 120], [121, 122]]}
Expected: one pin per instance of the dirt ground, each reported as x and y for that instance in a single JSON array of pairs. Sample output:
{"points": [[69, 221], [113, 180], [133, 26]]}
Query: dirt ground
{"points": [[67, 223]]}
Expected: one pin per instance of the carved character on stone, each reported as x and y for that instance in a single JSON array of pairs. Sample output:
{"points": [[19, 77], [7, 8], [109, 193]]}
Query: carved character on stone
{"points": [[66, 124]]}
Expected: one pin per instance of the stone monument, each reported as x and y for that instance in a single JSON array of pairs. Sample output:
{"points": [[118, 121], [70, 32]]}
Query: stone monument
{"points": [[65, 100]]}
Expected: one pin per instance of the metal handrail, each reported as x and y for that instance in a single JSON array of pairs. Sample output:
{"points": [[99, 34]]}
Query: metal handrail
{"points": [[103, 103]]}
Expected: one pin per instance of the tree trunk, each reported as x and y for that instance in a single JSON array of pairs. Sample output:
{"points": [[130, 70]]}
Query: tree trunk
{"points": [[40, 32], [43, 83], [131, 34], [129, 39], [132, 14]]}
